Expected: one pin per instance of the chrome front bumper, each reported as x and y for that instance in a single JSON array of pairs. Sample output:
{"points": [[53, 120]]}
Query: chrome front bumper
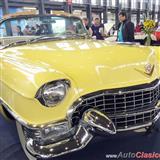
{"points": [[34, 151], [93, 122], [77, 142]]}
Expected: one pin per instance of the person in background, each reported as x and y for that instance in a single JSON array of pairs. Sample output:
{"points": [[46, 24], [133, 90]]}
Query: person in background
{"points": [[125, 29], [44, 29], [38, 30], [98, 29], [19, 31], [27, 31], [139, 27], [86, 24]]}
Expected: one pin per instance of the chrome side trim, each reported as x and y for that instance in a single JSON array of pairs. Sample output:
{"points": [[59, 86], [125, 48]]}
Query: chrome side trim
{"points": [[135, 127], [139, 113], [142, 126]]}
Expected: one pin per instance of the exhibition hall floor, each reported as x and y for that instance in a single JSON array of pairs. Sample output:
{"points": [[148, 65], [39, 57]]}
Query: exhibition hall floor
{"points": [[10, 148]]}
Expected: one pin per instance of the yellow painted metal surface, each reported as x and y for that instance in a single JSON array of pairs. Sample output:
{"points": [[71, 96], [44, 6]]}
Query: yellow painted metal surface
{"points": [[89, 65]]}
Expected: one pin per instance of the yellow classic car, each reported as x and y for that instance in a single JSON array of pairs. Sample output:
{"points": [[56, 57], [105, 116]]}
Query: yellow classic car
{"points": [[63, 88]]}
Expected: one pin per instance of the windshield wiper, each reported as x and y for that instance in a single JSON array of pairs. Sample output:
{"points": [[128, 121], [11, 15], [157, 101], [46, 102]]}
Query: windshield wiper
{"points": [[13, 44]]}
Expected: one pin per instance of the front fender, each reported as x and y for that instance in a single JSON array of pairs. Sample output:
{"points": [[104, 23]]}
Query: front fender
{"points": [[20, 80], [17, 73]]}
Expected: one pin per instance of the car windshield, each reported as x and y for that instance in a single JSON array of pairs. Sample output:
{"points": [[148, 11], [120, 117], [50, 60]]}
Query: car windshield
{"points": [[25, 28]]}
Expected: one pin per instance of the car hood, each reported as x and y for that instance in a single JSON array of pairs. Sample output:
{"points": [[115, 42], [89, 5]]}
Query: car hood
{"points": [[90, 65]]}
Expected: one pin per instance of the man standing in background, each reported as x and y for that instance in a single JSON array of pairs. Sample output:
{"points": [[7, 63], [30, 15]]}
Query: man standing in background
{"points": [[98, 29], [86, 24], [125, 29]]}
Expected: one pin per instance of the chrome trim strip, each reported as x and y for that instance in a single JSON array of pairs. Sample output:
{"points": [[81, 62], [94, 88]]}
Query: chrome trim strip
{"points": [[142, 126], [139, 113], [135, 127]]}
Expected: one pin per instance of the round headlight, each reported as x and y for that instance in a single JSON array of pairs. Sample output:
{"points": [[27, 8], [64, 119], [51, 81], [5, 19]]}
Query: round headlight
{"points": [[53, 93]]}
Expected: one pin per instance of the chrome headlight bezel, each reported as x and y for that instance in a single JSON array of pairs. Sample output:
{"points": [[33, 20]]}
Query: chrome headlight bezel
{"points": [[53, 93]]}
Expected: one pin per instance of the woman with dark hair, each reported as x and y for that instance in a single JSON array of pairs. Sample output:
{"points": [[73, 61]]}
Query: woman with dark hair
{"points": [[19, 31]]}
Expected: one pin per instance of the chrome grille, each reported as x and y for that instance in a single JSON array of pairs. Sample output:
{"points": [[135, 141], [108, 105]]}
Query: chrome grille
{"points": [[127, 107], [129, 121]]}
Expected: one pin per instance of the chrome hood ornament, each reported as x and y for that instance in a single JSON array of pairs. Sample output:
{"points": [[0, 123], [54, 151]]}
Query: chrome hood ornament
{"points": [[98, 121], [149, 68]]}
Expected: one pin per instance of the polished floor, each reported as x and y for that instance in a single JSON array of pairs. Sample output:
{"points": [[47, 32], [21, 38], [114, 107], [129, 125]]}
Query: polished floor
{"points": [[10, 148]]}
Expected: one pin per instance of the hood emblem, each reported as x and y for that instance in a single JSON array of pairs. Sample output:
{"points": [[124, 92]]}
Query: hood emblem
{"points": [[149, 68]]}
